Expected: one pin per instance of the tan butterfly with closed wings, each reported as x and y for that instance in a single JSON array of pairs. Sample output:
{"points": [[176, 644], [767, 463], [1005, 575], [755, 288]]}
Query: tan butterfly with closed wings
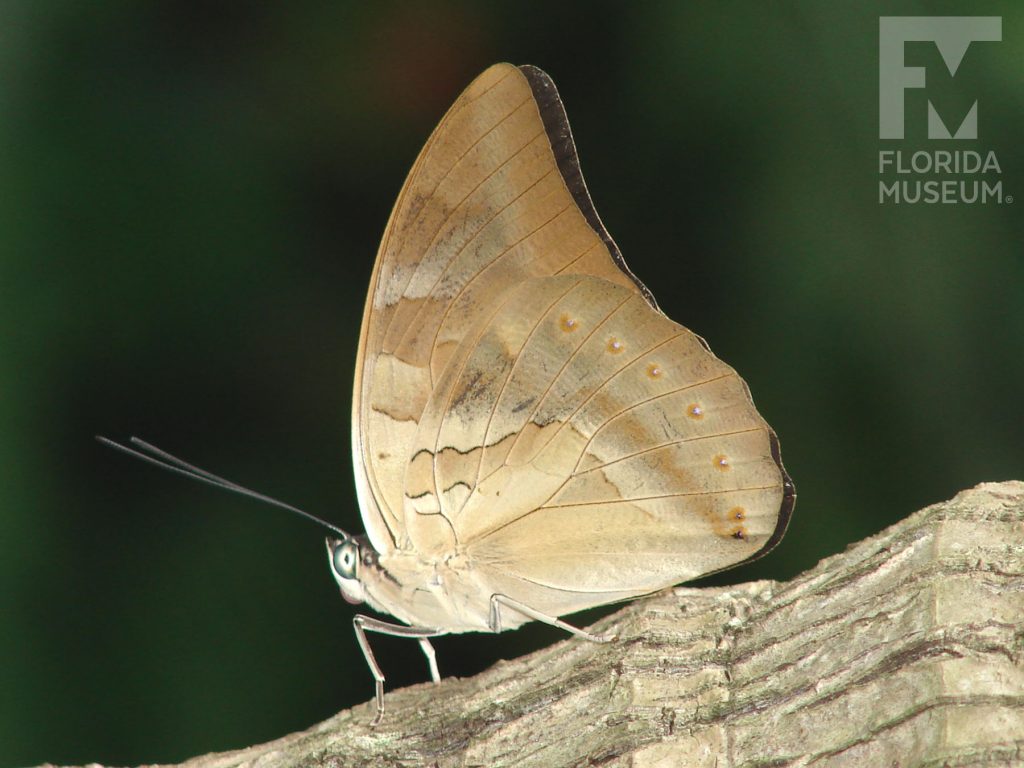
{"points": [[531, 435]]}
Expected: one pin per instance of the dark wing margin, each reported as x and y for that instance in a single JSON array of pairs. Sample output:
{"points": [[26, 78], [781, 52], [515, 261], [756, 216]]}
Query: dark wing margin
{"points": [[788, 500], [785, 510], [556, 125]]}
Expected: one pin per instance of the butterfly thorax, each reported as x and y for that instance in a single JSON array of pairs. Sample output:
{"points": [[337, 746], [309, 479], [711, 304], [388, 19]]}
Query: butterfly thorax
{"points": [[441, 593]]}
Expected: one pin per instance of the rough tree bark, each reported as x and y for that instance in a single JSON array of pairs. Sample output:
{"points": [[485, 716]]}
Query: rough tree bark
{"points": [[905, 650]]}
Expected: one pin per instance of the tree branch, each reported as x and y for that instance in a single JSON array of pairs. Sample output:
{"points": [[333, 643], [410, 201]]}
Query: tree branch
{"points": [[905, 650]]}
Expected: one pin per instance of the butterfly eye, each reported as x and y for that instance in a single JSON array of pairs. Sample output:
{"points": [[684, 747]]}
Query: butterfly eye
{"points": [[346, 556]]}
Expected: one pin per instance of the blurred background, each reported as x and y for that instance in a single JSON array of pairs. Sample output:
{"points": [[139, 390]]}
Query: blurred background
{"points": [[191, 197]]}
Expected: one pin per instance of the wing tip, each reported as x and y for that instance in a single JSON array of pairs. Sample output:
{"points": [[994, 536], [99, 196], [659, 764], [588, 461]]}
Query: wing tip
{"points": [[556, 125]]}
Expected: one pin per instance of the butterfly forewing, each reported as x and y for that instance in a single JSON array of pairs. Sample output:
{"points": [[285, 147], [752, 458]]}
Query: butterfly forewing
{"points": [[519, 397], [484, 207]]}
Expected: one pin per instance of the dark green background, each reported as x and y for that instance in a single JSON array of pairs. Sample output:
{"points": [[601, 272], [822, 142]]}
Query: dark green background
{"points": [[191, 196]]}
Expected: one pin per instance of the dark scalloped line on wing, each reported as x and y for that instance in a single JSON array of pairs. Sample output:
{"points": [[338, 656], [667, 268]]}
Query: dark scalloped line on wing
{"points": [[556, 124], [484, 326], [431, 493], [568, 419], [538, 401]]}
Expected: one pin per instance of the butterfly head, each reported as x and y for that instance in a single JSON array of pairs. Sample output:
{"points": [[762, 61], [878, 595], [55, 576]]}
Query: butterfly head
{"points": [[347, 557]]}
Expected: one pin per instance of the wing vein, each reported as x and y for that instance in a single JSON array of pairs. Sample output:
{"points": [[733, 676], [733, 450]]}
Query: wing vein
{"points": [[606, 422], [610, 502], [462, 367], [508, 377], [645, 401], [583, 403], [669, 444], [413, 219], [557, 376], [655, 497], [498, 257], [561, 486], [630, 592], [456, 209], [584, 253], [412, 325]]}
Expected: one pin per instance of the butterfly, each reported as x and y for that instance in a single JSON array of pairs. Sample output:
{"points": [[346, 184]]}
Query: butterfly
{"points": [[531, 435]]}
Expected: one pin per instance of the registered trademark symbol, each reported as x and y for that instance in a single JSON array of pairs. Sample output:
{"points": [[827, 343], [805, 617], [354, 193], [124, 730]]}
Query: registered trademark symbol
{"points": [[1008, 198]]}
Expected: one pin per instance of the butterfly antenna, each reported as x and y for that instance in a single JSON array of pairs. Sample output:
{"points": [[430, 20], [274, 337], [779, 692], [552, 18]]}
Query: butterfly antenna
{"points": [[140, 449]]}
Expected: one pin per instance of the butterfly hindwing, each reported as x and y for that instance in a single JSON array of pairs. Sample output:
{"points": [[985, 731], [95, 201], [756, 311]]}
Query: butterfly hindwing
{"points": [[587, 443], [519, 397]]}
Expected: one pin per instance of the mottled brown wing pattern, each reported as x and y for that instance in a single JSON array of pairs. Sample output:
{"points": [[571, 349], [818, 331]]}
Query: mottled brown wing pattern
{"points": [[587, 444], [519, 398], [488, 204]]}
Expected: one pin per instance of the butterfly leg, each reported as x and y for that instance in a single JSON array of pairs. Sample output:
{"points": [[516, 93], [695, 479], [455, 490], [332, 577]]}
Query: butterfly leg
{"points": [[497, 601], [428, 651], [363, 624]]}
